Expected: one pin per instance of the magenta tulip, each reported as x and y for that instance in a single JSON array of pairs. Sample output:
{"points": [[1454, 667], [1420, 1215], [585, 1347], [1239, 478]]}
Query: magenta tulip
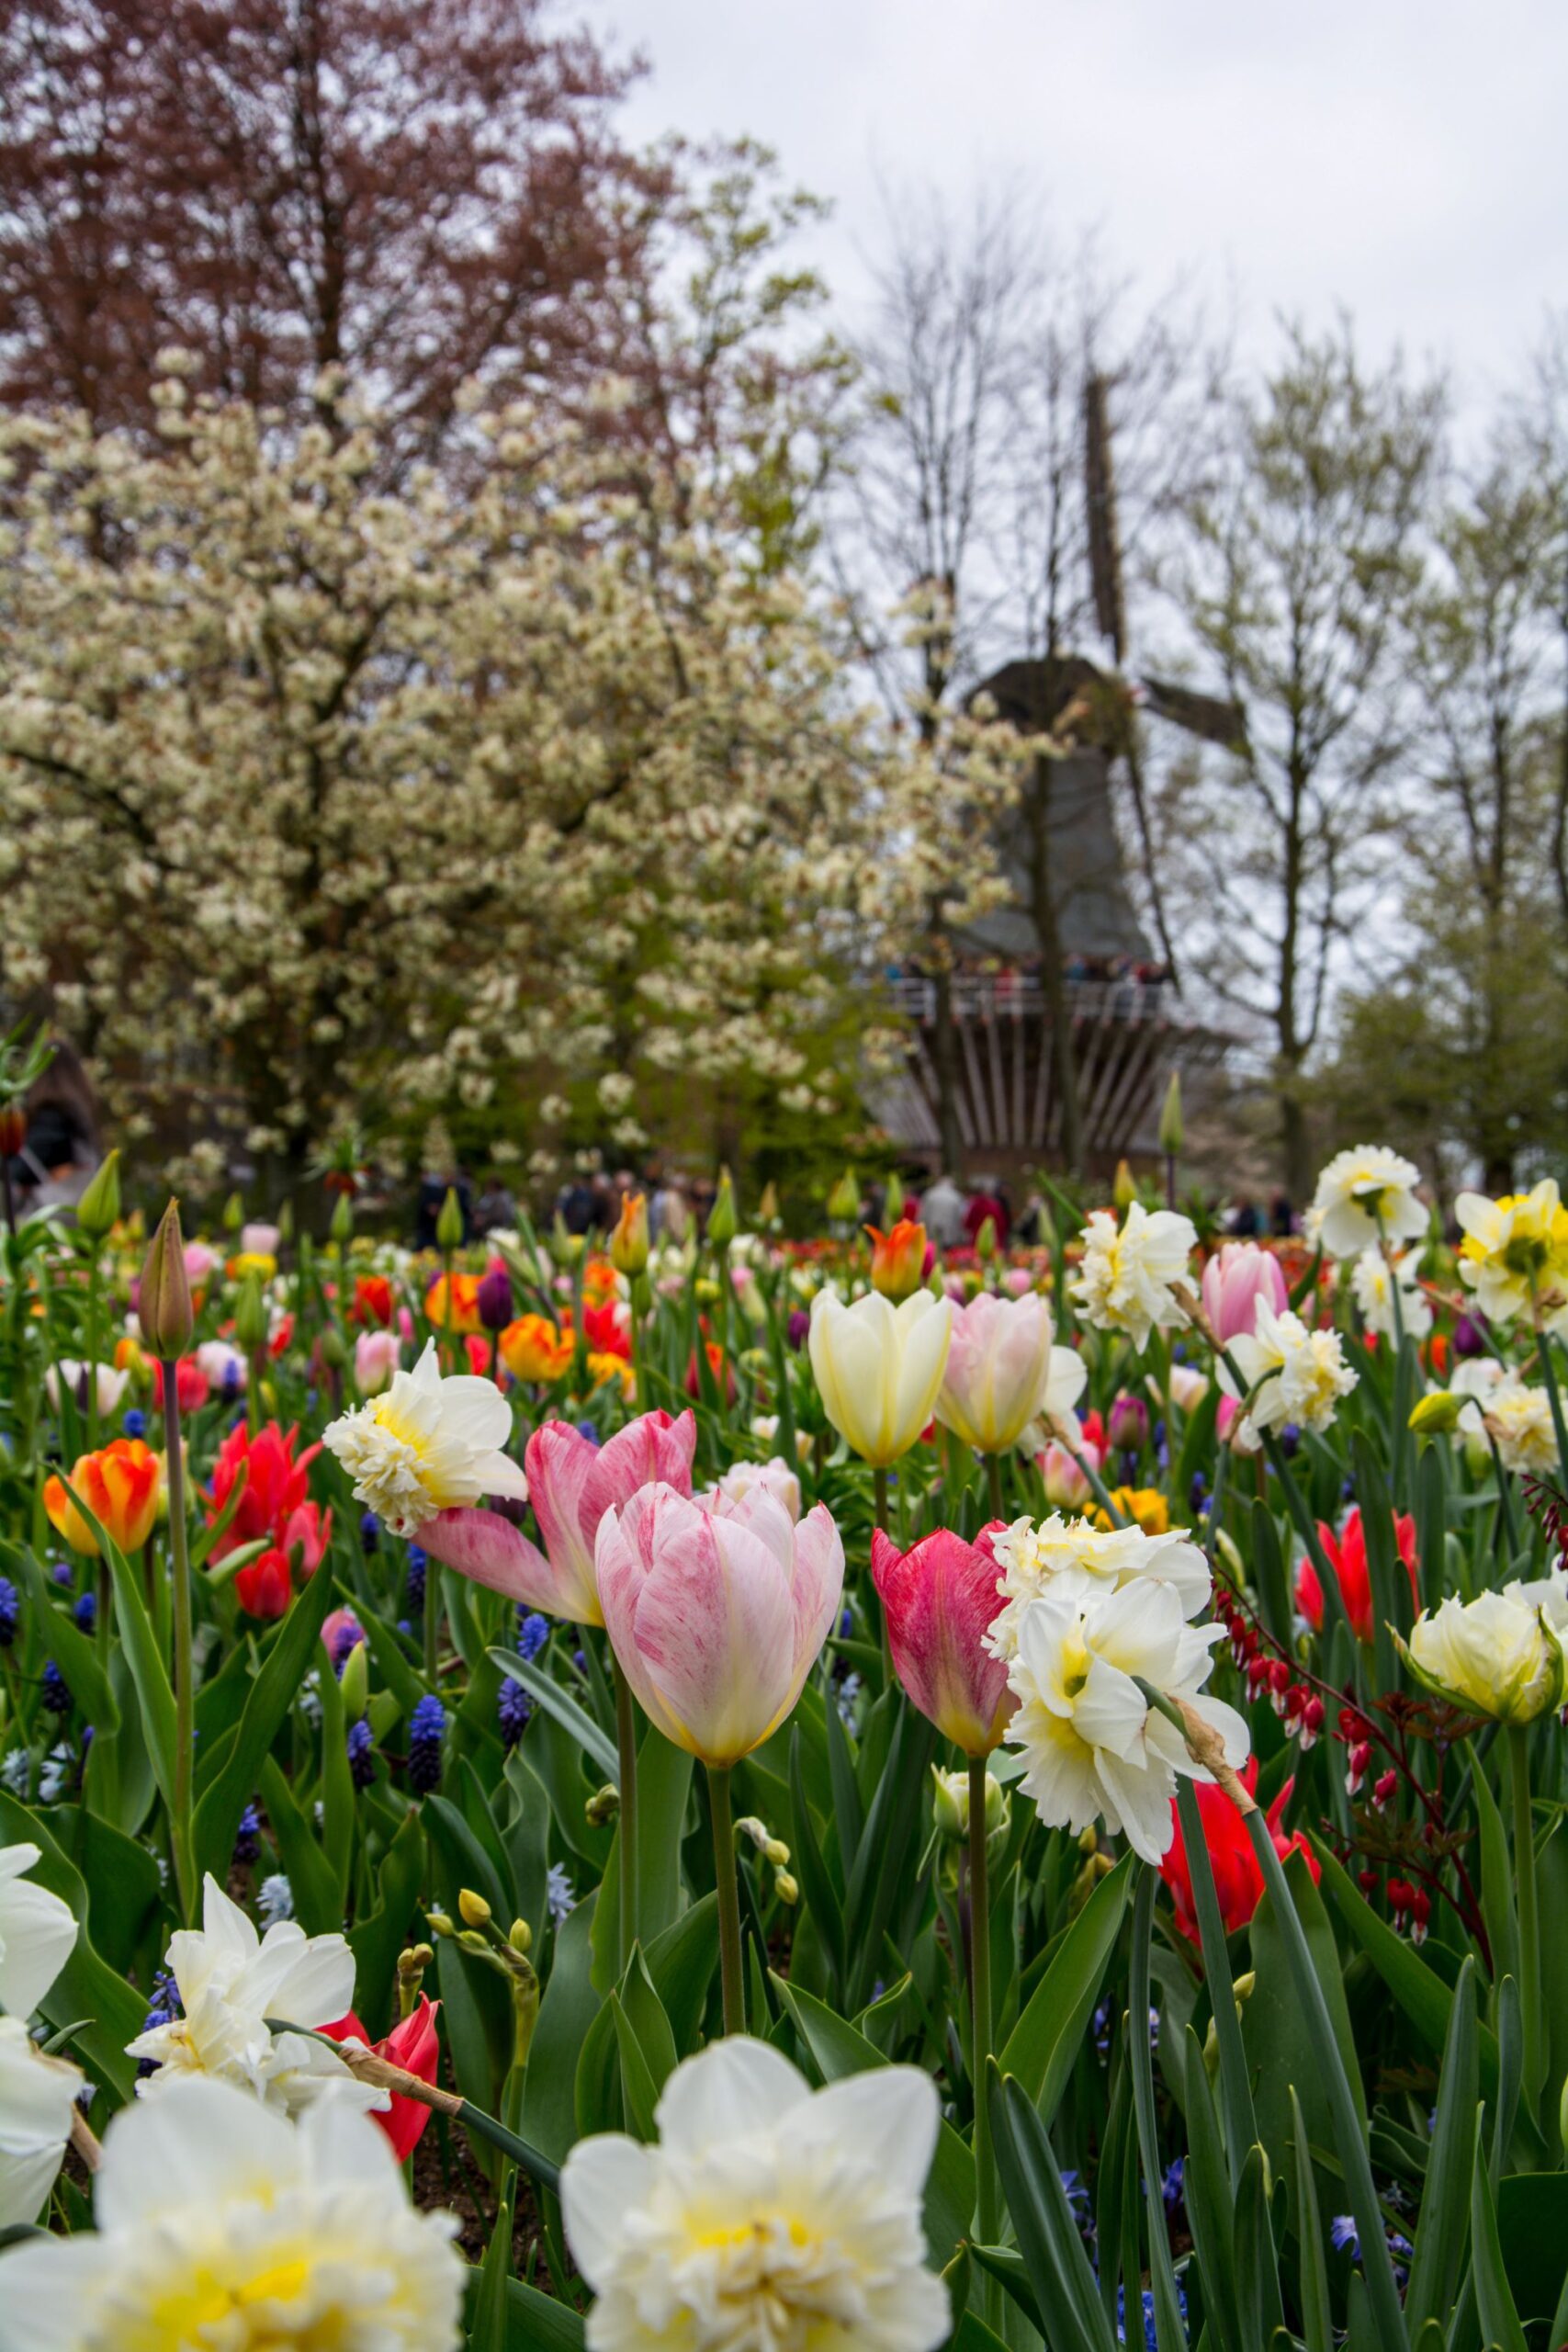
{"points": [[940, 1600], [717, 1611], [572, 1483], [1233, 1284]]}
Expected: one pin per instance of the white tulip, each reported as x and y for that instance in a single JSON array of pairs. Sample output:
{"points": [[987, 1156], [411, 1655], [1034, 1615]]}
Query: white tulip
{"points": [[879, 1368], [71, 1377], [38, 1933], [1497, 1656], [769, 2218], [37, 2101]]}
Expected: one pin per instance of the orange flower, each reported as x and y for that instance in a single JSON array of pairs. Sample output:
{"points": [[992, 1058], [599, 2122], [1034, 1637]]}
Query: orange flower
{"points": [[372, 1301], [899, 1259], [603, 1368], [533, 1349], [600, 1282], [628, 1243], [120, 1484], [464, 1303]]}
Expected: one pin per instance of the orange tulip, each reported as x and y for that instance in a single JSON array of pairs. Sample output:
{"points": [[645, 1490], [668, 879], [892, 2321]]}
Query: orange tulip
{"points": [[120, 1484], [533, 1349], [464, 1314], [899, 1259]]}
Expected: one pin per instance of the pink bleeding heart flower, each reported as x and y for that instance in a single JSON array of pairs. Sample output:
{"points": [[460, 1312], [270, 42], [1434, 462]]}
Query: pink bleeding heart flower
{"points": [[717, 1613], [572, 1483], [939, 1598]]}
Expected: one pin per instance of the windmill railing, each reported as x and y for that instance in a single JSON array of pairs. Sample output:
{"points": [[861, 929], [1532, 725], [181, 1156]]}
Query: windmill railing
{"points": [[1018, 996]]}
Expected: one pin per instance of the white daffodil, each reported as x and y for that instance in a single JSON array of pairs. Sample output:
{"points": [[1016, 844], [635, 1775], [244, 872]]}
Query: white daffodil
{"points": [[1498, 1654], [220, 2224], [1303, 1372], [1372, 1279], [1093, 1747], [72, 1378], [1476, 1380], [1366, 1195], [1515, 1252], [879, 1368], [427, 1446], [231, 1981], [769, 2217], [1519, 1418], [1076, 1560], [38, 1933], [1125, 1280], [37, 2101]]}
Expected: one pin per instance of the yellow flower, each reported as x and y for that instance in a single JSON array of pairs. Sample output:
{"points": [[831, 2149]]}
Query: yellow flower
{"points": [[1515, 1250], [1145, 1506], [605, 1368]]}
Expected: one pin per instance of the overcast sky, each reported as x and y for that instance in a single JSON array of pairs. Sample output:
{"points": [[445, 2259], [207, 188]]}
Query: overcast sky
{"points": [[1407, 158]]}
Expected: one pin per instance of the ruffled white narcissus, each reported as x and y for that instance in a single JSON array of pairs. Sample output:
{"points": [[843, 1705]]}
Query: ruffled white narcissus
{"points": [[879, 1368], [1073, 1558], [221, 2223], [1127, 1276], [1293, 1375], [38, 1933], [1093, 1747], [1366, 1196], [427, 1444], [769, 2218], [38, 2097], [231, 1981]]}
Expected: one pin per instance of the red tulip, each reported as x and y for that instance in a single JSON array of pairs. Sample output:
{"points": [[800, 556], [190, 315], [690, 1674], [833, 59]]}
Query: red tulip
{"points": [[372, 1301], [275, 1485], [192, 1387], [1238, 1879], [1347, 1556], [940, 1600], [264, 1587], [414, 2046], [311, 1527]]}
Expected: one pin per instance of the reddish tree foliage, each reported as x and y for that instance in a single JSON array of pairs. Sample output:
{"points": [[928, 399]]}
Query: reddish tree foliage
{"points": [[414, 192]]}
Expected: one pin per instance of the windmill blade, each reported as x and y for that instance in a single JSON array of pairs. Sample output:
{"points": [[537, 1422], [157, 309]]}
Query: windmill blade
{"points": [[1209, 716]]}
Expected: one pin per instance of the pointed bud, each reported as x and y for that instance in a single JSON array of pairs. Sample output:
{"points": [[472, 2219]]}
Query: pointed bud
{"points": [[1437, 1414], [1170, 1132], [768, 1206], [986, 1240], [892, 1198], [897, 1260], [97, 1211], [250, 1322], [843, 1201], [521, 1937], [285, 1221], [474, 1909], [786, 1887], [233, 1212], [1123, 1191], [343, 1221], [356, 1682], [163, 1304], [721, 1216], [629, 1242]]}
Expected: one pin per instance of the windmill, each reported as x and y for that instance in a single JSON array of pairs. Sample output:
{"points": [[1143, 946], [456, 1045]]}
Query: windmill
{"points": [[1052, 1036]]}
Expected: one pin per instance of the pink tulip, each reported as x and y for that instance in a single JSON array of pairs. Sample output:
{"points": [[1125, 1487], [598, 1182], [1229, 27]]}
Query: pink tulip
{"points": [[1066, 1488], [998, 1369], [1233, 1284], [376, 1355], [940, 1600], [1018, 1281], [259, 1240], [572, 1483], [716, 1615]]}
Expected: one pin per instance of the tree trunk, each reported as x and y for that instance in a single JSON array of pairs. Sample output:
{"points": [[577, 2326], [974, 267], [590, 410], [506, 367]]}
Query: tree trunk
{"points": [[1295, 1143]]}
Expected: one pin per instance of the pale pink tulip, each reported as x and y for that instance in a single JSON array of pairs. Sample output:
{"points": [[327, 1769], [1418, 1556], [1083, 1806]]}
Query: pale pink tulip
{"points": [[1233, 1283], [259, 1240], [1066, 1488], [376, 1355], [716, 1615], [998, 1371], [572, 1483]]}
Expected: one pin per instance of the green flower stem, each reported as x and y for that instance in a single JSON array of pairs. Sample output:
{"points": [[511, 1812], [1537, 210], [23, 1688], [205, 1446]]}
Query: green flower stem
{"points": [[1169, 2332], [985, 2205], [1097, 1487], [879, 1519], [93, 1275], [728, 1899], [1529, 1917], [993, 1462], [1554, 1395], [185, 1692], [1236, 2095], [367, 2067], [627, 1832]]}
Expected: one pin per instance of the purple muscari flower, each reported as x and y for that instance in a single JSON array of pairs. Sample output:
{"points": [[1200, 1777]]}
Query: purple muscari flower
{"points": [[56, 1693], [1289, 1439], [362, 1753], [369, 1532], [1198, 1495], [798, 1327], [134, 1421], [347, 1637], [1469, 1339], [1172, 2187], [1343, 2235], [85, 1612], [416, 1580], [10, 1609], [64, 1573], [580, 1661], [494, 1299], [247, 1838], [590, 1429], [512, 1709], [427, 1729], [533, 1633], [1101, 2027]]}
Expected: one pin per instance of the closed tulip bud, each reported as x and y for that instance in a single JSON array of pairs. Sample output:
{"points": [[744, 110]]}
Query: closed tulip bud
{"points": [[1129, 1424], [1170, 1135], [251, 1325], [97, 1211], [768, 1206], [163, 1298], [494, 1297], [1437, 1414], [334, 1348], [1124, 1190], [986, 1240], [343, 1221], [356, 1682], [449, 1224], [630, 1243], [893, 1199], [843, 1201], [233, 1212], [897, 1260], [521, 1937], [286, 1221], [474, 1909], [721, 1216]]}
